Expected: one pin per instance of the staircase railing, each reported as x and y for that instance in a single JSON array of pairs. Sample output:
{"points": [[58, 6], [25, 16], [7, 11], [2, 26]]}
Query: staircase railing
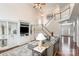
{"points": [[44, 28], [41, 28], [62, 15]]}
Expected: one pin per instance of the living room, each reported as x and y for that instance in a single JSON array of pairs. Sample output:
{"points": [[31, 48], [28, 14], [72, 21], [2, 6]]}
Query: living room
{"points": [[25, 26]]}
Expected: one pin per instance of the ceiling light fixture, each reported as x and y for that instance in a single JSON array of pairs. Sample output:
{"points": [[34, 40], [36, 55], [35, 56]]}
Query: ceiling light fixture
{"points": [[39, 5]]}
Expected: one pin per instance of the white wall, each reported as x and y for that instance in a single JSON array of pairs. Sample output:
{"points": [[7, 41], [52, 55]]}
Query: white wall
{"points": [[18, 11], [15, 12], [46, 10], [54, 27]]}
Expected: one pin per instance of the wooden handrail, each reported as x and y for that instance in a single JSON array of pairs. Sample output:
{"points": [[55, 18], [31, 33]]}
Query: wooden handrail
{"points": [[46, 29], [49, 33]]}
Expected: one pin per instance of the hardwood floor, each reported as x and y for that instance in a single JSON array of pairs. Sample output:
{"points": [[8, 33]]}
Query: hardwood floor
{"points": [[66, 49]]}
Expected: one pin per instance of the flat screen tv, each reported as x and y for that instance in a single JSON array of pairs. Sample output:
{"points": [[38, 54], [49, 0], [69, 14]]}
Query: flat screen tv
{"points": [[24, 30]]}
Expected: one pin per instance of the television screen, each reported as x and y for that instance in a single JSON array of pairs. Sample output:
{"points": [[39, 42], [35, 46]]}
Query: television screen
{"points": [[24, 30]]}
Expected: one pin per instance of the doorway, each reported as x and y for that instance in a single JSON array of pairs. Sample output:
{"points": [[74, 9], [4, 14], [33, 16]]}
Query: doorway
{"points": [[67, 39]]}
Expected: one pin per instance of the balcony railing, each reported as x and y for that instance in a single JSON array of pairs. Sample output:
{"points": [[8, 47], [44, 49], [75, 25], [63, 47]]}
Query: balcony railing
{"points": [[63, 14]]}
